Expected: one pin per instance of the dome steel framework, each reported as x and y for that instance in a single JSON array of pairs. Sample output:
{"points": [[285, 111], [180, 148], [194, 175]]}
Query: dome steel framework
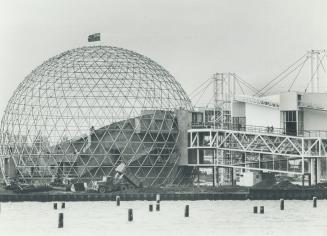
{"points": [[83, 112]]}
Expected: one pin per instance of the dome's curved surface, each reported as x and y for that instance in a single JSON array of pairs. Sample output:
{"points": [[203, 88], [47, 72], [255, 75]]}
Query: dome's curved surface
{"points": [[81, 113]]}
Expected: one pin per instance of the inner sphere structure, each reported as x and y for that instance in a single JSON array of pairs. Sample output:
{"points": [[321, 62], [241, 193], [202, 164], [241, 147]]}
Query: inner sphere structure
{"points": [[83, 112]]}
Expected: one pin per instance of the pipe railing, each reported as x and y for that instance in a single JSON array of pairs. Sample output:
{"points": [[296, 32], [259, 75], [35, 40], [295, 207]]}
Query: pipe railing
{"points": [[260, 129]]}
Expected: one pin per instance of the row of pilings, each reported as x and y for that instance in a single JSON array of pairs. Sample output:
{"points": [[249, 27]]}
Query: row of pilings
{"points": [[129, 213]]}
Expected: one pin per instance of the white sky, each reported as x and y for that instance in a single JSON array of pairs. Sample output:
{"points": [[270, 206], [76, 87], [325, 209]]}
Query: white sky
{"points": [[192, 39]]}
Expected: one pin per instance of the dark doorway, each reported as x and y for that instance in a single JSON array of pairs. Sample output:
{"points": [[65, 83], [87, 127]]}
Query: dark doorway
{"points": [[290, 122], [291, 128]]}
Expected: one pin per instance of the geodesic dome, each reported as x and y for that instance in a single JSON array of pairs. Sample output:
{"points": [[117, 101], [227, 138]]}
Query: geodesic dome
{"points": [[86, 110]]}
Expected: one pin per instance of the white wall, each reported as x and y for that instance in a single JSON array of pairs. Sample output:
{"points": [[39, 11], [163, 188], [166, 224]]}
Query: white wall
{"points": [[238, 109], [249, 178], [288, 101], [259, 115], [314, 120], [315, 99]]}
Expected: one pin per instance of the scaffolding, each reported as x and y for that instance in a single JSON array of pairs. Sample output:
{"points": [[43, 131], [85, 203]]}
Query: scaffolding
{"points": [[233, 145], [267, 152]]}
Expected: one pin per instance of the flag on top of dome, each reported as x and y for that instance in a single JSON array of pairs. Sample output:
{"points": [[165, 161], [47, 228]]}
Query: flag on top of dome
{"points": [[93, 37]]}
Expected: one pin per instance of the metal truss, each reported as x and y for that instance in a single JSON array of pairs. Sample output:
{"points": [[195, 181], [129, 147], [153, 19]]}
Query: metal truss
{"points": [[256, 151], [84, 111]]}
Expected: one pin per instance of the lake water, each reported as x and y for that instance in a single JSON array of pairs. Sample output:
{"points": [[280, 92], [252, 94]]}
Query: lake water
{"points": [[206, 218]]}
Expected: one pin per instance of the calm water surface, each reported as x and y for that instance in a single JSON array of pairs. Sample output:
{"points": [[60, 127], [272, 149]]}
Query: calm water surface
{"points": [[206, 218]]}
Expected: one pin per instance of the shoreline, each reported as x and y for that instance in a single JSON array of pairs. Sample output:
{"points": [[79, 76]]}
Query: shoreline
{"points": [[252, 194]]}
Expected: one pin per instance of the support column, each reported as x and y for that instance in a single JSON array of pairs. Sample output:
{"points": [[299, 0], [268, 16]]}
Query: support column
{"points": [[313, 171], [318, 161], [316, 171], [217, 176], [198, 176], [214, 177], [232, 176]]}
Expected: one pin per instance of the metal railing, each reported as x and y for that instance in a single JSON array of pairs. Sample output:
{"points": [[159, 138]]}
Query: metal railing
{"points": [[260, 129], [311, 106], [256, 100]]}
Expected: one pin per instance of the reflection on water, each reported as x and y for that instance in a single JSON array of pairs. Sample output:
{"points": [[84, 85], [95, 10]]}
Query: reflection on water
{"points": [[206, 218]]}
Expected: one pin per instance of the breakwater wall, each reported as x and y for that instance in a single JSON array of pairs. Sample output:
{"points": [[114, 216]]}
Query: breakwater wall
{"points": [[257, 194], [289, 194], [41, 197]]}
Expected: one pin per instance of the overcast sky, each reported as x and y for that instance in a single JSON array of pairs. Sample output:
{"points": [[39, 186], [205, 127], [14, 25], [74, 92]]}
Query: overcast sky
{"points": [[192, 39]]}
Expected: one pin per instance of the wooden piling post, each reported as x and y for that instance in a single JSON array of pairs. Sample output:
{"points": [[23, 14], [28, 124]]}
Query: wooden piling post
{"points": [[151, 207], [314, 202], [130, 214], [61, 220], [255, 209], [187, 211], [282, 204], [117, 200], [55, 206], [158, 207], [262, 209]]}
